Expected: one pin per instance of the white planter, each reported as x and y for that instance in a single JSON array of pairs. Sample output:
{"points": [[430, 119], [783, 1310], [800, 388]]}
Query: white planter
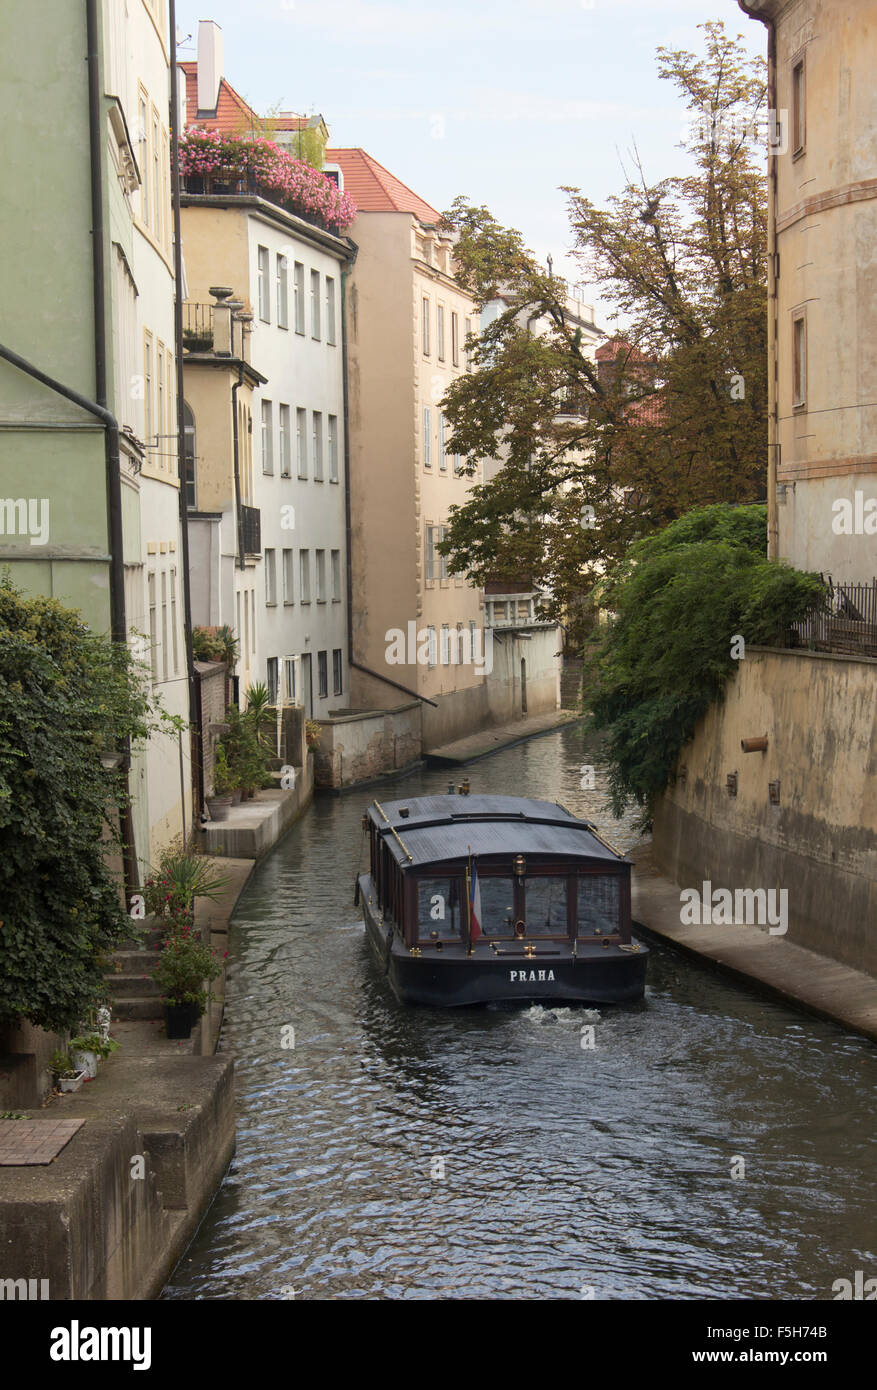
{"points": [[70, 1083], [86, 1063]]}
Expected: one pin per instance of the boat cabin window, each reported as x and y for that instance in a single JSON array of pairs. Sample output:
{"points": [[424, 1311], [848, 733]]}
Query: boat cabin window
{"points": [[441, 909], [497, 905], [599, 904], [545, 905]]}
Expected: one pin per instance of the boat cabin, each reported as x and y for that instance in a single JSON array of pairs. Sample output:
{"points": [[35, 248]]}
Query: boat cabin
{"points": [[542, 874]]}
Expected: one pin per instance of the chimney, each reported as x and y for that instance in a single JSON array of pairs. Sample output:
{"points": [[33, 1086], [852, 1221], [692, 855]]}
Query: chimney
{"points": [[210, 64]]}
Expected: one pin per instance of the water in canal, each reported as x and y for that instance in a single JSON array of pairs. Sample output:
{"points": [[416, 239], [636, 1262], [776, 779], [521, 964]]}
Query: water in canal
{"points": [[711, 1145]]}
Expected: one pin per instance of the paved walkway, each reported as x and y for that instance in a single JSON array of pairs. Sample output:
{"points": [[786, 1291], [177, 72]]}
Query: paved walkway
{"points": [[491, 740], [771, 963]]}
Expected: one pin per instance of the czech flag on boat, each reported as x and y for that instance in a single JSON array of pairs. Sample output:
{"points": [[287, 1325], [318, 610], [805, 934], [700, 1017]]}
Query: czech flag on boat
{"points": [[474, 904]]}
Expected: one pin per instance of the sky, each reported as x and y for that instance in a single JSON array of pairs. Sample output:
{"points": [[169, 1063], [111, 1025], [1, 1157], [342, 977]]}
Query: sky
{"points": [[504, 101]]}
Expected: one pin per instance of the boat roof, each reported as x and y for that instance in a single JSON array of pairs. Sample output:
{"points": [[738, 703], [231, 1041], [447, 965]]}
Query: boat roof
{"points": [[437, 828]]}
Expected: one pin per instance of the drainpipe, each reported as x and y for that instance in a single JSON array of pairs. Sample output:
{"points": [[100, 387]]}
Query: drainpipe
{"points": [[346, 272], [773, 437], [119, 626], [237, 472], [195, 750]]}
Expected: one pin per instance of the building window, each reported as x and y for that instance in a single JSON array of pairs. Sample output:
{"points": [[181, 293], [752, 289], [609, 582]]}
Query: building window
{"points": [[299, 296], [330, 310], [455, 339], [282, 287], [270, 576], [189, 456], [467, 325], [799, 127], [156, 175], [267, 437], [337, 672], [144, 160], [446, 644], [458, 465], [321, 575], [443, 458], [333, 448], [431, 647], [317, 437], [442, 559], [163, 625], [288, 584], [147, 389], [153, 624], [174, 645], [427, 437], [430, 552], [301, 441], [160, 424], [304, 578], [336, 576], [440, 333], [799, 359], [425, 327], [289, 665], [322, 675], [285, 443], [273, 679], [315, 304], [264, 302]]}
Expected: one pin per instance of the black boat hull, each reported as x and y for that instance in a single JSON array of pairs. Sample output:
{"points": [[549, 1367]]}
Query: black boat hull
{"points": [[448, 979]]}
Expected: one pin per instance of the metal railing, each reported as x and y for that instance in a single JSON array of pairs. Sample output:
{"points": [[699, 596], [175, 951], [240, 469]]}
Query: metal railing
{"points": [[846, 622], [198, 327]]}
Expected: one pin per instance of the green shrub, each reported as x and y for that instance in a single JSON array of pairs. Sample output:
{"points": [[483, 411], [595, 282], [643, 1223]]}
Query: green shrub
{"points": [[678, 602]]}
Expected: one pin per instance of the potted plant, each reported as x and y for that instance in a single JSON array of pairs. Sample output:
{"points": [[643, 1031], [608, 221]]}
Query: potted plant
{"points": [[184, 967], [312, 732], [65, 1073], [88, 1050], [180, 878], [218, 804]]}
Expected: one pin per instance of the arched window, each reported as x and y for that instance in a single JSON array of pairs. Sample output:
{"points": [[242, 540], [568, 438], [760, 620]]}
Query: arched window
{"points": [[189, 456]]}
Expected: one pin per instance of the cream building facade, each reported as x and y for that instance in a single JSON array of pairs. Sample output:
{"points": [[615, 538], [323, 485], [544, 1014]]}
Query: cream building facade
{"points": [[415, 627], [823, 285]]}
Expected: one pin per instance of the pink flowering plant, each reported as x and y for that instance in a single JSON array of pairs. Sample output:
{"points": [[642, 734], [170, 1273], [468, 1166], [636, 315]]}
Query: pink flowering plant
{"points": [[185, 969], [253, 158], [171, 889]]}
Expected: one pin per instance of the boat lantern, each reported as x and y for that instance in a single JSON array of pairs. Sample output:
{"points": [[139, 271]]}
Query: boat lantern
{"points": [[465, 787], [520, 865], [450, 789]]}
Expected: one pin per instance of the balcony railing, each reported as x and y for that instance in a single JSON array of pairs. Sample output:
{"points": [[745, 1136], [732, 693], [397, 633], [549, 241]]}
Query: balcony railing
{"points": [[514, 610], [251, 530], [198, 327], [234, 183], [846, 623]]}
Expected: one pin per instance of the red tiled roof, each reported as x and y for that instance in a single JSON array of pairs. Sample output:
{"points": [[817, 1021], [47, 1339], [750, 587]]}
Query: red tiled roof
{"points": [[614, 347], [233, 114], [374, 189]]}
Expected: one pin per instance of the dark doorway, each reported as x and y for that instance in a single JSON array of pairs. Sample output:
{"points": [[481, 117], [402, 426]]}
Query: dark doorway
{"points": [[523, 685]]}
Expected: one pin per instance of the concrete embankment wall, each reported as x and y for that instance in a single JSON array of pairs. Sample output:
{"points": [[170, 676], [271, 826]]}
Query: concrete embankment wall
{"points": [[819, 842], [363, 746], [536, 683]]}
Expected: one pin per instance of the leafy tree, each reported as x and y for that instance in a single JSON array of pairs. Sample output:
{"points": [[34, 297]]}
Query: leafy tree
{"points": [[678, 418], [66, 695], [679, 600]]}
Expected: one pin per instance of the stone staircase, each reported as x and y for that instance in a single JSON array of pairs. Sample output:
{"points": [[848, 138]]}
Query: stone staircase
{"points": [[571, 683], [134, 993]]}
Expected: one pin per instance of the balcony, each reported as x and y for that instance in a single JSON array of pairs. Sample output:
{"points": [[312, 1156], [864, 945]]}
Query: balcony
{"points": [[197, 327], [512, 610], [250, 521]]}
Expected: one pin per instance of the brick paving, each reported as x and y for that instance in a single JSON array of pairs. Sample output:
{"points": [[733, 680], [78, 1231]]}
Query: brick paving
{"points": [[25, 1143]]}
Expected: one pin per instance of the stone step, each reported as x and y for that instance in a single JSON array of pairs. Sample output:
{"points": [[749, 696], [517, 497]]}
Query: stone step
{"points": [[133, 962], [138, 1006], [125, 986]]}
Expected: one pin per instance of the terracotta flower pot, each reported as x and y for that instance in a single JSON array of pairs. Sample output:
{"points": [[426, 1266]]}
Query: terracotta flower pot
{"points": [[218, 806]]}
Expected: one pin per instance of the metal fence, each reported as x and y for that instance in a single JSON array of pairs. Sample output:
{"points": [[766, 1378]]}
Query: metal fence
{"points": [[198, 326], [846, 622]]}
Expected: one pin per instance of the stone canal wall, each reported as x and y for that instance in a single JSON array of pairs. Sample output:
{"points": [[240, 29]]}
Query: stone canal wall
{"points": [[361, 746], [817, 837]]}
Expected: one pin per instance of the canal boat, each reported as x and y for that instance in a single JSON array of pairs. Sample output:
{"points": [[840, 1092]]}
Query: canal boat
{"points": [[489, 899]]}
